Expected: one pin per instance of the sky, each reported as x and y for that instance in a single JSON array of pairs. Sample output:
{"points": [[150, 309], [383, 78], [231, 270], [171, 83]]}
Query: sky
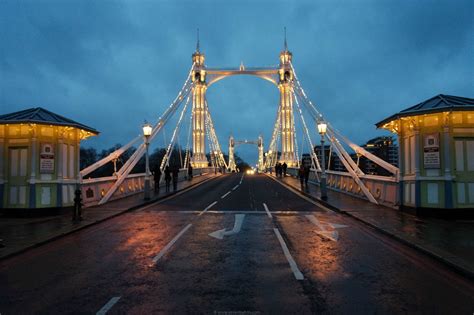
{"points": [[113, 64]]}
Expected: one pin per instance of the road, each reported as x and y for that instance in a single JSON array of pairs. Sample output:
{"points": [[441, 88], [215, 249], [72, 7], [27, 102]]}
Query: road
{"points": [[295, 258]]}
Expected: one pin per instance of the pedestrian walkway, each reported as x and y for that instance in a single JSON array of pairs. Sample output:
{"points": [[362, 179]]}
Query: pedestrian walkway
{"points": [[450, 241], [20, 234]]}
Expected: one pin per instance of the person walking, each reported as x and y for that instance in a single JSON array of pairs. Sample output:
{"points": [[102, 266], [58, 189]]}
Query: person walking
{"points": [[167, 178], [190, 172], [284, 167], [156, 178], [301, 175], [175, 178]]}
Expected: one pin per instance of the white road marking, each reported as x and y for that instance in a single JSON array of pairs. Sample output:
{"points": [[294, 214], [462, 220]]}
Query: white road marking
{"points": [[242, 178], [244, 211], [333, 235], [235, 187], [219, 234], [207, 208], [225, 195], [267, 211], [303, 196], [168, 246], [108, 306], [291, 261]]}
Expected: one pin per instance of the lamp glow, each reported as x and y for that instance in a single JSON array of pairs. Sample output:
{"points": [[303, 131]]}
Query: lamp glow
{"points": [[322, 127]]}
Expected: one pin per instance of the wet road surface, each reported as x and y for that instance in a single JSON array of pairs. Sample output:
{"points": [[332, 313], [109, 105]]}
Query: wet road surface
{"points": [[279, 253]]}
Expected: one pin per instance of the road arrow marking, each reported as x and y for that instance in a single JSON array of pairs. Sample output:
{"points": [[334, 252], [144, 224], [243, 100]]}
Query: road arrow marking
{"points": [[333, 235], [219, 234]]}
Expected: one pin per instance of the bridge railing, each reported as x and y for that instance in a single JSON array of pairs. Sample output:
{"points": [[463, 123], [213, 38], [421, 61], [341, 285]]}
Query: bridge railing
{"points": [[93, 189], [383, 188]]}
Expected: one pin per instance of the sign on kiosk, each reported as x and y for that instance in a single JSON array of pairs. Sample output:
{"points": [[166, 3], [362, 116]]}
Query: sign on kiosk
{"points": [[47, 158], [431, 151]]}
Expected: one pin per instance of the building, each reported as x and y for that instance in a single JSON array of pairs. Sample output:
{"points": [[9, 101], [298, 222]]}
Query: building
{"points": [[39, 160], [436, 139], [383, 147]]}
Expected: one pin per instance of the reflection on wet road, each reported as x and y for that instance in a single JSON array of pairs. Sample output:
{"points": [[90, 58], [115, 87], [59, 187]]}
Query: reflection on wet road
{"points": [[230, 245]]}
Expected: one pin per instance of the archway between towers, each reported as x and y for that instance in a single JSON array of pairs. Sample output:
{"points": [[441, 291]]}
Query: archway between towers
{"points": [[281, 76]]}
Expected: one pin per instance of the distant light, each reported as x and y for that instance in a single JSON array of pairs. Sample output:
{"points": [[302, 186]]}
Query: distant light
{"points": [[322, 127]]}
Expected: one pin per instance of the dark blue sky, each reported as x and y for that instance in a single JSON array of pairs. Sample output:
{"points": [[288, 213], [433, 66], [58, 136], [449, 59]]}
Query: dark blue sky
{"points": [[111, 64]]}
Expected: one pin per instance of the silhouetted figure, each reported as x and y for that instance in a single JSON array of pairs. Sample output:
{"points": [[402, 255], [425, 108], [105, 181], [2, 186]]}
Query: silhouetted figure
{"points": [[175, 178], [301, 175], [284, 167], [167, 178], [157, 177], [190, 172], [306, 175]]}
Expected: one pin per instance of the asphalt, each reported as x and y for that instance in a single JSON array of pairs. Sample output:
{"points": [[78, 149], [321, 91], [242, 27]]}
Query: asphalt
{"points": [[161, 259]]}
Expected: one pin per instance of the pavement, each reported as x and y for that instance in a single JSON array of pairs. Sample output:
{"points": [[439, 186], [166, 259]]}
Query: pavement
{"points": [[20, 234], [449, 241], [232, 245]]}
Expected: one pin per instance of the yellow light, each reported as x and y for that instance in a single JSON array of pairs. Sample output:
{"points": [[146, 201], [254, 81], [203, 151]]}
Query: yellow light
{"points": [[147, 129], [322, 127]]}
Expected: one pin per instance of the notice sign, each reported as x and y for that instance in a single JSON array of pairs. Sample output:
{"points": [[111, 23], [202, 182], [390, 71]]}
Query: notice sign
{"points": [[47, 158], [431, 150]]}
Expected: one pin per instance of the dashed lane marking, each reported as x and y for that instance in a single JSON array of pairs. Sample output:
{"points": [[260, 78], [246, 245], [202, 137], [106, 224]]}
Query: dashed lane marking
{"points": [[267, 211], [170, 244], [291, 261], [108, 305], [225, 195], [235, 187], [207, 208]]}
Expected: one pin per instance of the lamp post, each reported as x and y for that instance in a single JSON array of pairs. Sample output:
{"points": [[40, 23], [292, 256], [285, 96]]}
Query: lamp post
{"points": [[322, 126], [147, 129]]}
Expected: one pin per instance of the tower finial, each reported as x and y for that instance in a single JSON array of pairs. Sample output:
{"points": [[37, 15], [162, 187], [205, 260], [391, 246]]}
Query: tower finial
{"points": [[197, 44], [286, 45]]}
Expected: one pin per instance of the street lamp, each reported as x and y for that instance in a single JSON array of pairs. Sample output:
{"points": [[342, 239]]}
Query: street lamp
{"points": [[147, 129], [322, 127]]}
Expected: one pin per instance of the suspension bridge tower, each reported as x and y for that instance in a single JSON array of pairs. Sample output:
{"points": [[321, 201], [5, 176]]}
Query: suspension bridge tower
{"points": [[285, 86], [199, 159]]}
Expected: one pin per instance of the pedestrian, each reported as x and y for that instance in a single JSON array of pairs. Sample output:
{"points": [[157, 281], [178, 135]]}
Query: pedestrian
{"points": [[301, 175], [306, 175], [156, 178], [280, 169], [284, 167], [167, 178], [175, 178], [190, 172]]}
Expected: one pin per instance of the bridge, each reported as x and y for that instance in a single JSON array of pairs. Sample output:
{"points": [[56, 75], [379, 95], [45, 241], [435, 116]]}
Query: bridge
{"points": [[283, 146], [228, 242]]}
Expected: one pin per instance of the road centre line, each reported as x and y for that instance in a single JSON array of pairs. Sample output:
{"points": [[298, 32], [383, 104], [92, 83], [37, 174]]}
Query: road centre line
{"points": [[267, 211], [108, 305], [291, 261], [245, 211], [225, 195], [235, 187], [207, 208], [171, 243]]}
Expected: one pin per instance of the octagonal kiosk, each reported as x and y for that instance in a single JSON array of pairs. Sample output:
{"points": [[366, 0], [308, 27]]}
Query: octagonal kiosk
{"points": [[39, 160], [436, 143]]}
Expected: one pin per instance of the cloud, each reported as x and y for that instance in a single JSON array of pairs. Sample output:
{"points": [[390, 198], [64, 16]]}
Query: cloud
{"points": [[111, 64]]}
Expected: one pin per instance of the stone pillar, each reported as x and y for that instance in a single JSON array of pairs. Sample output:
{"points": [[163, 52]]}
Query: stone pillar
{"points": [[417, 157]]}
